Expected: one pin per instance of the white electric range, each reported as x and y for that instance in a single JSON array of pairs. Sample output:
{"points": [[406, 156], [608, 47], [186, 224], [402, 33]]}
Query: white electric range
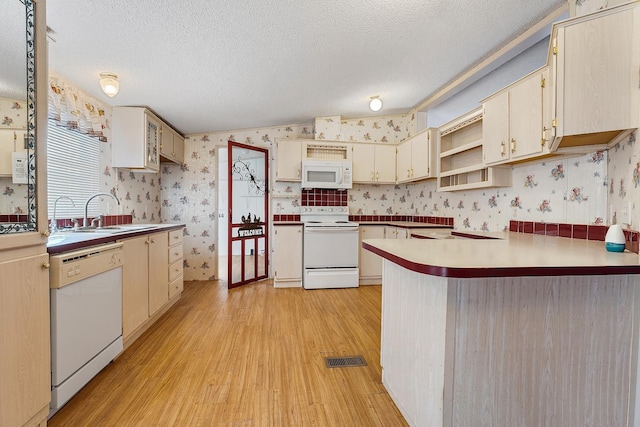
{"points": [[330, 248]]}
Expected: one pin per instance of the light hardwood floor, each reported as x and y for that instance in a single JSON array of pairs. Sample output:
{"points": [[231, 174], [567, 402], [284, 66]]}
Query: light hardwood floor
{"points": [[252, 356]]}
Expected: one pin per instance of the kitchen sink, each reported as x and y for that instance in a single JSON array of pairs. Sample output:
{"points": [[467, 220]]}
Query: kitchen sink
{"points": [[123, 228]]}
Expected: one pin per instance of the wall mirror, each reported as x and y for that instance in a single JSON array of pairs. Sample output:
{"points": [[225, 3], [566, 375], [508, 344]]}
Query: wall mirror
{"points": [[17, 118]]}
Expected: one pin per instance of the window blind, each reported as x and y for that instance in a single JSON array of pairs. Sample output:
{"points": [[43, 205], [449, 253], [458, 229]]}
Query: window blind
{"points": [[73, 170]]}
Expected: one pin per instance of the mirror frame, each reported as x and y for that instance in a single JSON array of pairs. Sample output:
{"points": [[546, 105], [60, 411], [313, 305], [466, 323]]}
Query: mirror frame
{"points": [[31, 224]]}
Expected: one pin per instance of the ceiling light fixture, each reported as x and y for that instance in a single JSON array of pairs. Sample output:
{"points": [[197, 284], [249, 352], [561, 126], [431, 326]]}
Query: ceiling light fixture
{"points": [[375, 103], [109, 84]]}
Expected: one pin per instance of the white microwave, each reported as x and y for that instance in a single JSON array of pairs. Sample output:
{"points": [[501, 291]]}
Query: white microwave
{"points": [[335, 174]]}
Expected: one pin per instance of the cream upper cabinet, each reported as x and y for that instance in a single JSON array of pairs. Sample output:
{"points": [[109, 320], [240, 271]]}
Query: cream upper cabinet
{"points": [[287, 256], [597, 76], [171, 145], [416, 157], [135, 139], [403, 161], [288, 160], [374, 163], [178, 148], [513, 126]]}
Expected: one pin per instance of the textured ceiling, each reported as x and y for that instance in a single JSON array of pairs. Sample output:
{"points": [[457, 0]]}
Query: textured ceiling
{"points": [[211, 65]]}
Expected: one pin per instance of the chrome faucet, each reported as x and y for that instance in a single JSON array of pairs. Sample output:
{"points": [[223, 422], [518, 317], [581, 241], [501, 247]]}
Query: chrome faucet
{"points": [[54, 223], [86, 205]]}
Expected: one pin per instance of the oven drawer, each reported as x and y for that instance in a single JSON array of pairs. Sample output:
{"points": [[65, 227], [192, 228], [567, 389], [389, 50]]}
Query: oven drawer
{"points": [[330, 248], [326, 278]]}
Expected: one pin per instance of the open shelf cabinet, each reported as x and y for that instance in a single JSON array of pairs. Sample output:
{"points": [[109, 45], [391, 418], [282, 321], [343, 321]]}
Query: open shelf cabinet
{"points": [[460, 159]]}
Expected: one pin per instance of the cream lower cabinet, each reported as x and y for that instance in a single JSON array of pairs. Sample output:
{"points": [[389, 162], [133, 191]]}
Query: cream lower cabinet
{"points": [[392, 232], [150, 283], [287, 256], [25, 366], [370, 264], [135, 285], [176, 277], [374, 163], [158, 245]]}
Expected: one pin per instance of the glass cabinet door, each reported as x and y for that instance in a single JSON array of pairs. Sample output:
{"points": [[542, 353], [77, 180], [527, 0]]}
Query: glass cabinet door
{"points": [[151, 155]]}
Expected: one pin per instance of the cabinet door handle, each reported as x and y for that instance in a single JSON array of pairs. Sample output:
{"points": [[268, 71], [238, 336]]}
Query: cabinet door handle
{"points": [[513, 145], [46, 264], [544, 136], [377, 176], [373, 176], [502, 153]]}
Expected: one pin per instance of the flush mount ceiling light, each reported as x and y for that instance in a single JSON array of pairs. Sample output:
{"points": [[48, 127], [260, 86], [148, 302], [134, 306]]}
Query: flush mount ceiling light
{"points": [[109, 84], [375, 103]]}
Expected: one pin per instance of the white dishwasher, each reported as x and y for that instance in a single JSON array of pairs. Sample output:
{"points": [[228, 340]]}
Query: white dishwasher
{"points": [[86, 317]]}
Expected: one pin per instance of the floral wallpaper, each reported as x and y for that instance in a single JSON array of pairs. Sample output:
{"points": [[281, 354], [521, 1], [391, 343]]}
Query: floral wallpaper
{"points": [[13, 118], [389, 129], [566, 190], [584, 7], [189, 192], [623, 182]]}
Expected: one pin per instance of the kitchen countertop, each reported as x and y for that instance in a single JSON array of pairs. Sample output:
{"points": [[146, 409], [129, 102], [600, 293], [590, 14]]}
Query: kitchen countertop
{"points": [[63, 241], [401, 224], [406, 224], [515, 254]]}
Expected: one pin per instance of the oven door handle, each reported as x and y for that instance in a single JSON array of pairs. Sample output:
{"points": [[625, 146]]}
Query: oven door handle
{"points": [[322, 229]]}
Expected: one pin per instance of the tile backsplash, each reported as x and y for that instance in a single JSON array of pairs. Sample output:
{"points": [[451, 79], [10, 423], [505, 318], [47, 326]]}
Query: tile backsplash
{"points": [[323, 197], [573, 231]]}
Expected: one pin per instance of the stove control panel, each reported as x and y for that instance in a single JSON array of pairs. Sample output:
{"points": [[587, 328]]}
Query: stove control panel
{"points": [[325, 209]]}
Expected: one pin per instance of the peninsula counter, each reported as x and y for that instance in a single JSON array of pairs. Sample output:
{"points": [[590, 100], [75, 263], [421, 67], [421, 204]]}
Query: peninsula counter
{"points": [[525, 330]]}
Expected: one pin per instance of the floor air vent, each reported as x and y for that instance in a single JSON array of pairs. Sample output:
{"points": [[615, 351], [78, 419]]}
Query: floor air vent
{"points": [[344, 362]]}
